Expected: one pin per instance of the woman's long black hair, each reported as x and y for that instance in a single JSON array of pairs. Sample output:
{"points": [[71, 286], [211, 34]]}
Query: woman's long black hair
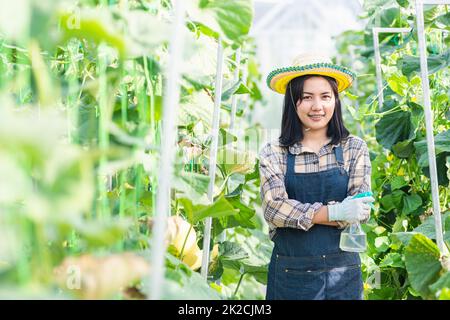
{"points": [[292, 127]]}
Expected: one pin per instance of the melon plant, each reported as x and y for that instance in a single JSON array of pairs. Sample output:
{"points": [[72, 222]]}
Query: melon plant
{"points": [[402, 256]]}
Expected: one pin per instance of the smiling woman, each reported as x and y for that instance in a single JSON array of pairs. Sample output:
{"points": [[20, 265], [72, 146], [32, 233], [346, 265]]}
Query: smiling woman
{"points": [[308, 178]]}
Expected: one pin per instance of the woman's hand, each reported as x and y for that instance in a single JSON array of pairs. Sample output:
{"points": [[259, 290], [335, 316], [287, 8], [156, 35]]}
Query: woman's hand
{"points": [[350, 210]]}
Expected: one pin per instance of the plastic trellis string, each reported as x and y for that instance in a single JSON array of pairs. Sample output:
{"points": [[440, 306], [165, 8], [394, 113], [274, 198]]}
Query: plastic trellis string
{"points": [[376, 47], [429, 121], [213, 157], [171, 99]]}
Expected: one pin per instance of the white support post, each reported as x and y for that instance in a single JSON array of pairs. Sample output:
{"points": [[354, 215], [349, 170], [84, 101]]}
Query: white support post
{"points": [[429, 122], [213, 157], [376, 48], [171, 101]]}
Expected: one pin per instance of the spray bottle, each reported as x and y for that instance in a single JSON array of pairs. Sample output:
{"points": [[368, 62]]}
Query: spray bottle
{"points": [[353, 238]]}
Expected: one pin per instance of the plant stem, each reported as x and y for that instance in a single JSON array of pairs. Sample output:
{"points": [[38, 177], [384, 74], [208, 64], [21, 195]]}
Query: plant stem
{"points": [[238, 285]]}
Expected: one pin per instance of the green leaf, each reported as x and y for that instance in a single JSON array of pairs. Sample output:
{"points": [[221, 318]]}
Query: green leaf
{"points": [[404, 237], [195, 213], [442, 151], [231, 251], [102, 233], [427, 227], [399, 84], [255, 174], [230, 19], [445, 294], [411, 202], [193, 185], [443, 282], [388, 16], [411, 65], [430, 13], [392, 201], [393, 260], [441, 144], [382, 243], [403, 149], [422, 263], [233, 160], [403, 3], [398, 182], [243, 218], [395, 127], [238, 88], [93, 25], [444, 20]]}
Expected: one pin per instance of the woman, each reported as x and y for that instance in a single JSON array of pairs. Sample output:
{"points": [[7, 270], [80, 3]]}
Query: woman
{"points": [[308, 179]]}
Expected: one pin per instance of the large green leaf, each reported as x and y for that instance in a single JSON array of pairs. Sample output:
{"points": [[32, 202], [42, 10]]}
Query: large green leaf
{"points": [[231, 251], [230, 19], [392, 201], [442, 151], [422, 263], [398, 182], [411, 202], [388, 16], [410, 64], [441, 144], [193, 185], [443, 282], [93, 25], [243, 218], [395, 127], [428, 227], [403, 149], [404, 237], [444, 20], [195, 213]]}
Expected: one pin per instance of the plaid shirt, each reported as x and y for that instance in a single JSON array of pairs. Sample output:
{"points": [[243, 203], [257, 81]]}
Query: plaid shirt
{"points": [[279, 210]]}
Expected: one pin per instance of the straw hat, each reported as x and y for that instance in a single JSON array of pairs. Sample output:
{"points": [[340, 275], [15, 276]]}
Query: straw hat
{"points": [[309, 63]]}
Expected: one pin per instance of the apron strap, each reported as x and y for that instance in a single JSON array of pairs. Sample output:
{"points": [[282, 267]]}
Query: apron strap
{"points": [[290, 163], [337, 152], [339, 158], [339, 155]]}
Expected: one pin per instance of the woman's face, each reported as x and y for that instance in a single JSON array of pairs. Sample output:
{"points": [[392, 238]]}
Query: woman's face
{"points": [[317, 104]]}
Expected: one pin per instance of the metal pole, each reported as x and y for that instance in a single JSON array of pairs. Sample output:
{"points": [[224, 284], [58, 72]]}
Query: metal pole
{"points": [[376, 48], [213, 157], [429, 123], [171, 100]]}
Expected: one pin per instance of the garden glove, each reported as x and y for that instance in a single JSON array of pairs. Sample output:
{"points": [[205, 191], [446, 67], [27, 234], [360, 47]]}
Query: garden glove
{"points": [[350, 210]]}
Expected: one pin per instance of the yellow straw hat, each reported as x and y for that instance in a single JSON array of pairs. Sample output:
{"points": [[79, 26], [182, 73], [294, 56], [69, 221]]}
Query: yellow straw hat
{"points": [[309, 63]]}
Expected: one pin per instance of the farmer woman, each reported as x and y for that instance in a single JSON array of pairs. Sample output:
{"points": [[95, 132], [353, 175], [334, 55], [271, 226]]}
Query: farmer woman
{"points": [[308, 178]]}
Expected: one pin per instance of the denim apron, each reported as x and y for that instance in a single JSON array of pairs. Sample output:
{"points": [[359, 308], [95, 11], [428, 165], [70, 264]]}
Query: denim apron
{"points": [[309, 265]]}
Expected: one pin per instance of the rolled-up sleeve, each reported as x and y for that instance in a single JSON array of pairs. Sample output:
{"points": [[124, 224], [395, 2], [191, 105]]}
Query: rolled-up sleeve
{"points": [[279, 210], [360, 171]]}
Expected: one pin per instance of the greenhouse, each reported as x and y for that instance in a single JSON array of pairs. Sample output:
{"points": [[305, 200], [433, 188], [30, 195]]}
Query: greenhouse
{"points": [[225, 150]]}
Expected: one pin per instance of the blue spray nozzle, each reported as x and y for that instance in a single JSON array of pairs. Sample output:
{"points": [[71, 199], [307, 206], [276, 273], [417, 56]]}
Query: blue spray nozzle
{"points": [[364, 194]]}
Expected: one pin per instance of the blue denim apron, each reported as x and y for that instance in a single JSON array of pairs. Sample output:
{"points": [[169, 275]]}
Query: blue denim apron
{"points": [[309, 265]]}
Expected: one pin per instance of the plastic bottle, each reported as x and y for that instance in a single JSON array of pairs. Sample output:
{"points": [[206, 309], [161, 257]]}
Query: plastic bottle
{"points": [[353, 238]]}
